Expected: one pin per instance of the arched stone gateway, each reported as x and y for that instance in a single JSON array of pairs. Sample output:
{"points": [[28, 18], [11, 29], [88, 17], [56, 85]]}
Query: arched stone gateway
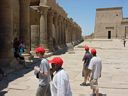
{"points": [[37, 23]]}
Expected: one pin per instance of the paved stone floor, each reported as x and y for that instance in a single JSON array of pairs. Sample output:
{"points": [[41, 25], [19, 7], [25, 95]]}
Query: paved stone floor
{"points": [[114, 81]]}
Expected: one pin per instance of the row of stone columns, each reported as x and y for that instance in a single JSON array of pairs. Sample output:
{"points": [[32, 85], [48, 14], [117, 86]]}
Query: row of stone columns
{"points": [[56, 30], [53, 30], [63, 30]]}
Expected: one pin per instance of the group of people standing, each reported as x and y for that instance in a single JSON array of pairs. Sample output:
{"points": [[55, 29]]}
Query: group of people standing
{"points": [[59, 85], [54, 81], [18, 50], [92, 67]]}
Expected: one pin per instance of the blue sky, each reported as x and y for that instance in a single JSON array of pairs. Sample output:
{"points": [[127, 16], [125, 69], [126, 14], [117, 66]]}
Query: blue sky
{"points": [[83, 11]]}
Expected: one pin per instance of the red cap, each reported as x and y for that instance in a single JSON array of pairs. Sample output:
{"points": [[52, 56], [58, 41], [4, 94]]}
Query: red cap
{"points": [[40, 50], [86, 48], [57, 61], [93, 51]]}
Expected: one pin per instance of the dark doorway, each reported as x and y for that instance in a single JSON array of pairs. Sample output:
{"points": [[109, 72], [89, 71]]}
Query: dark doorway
{"points": [[126, 32], [109, 34]]}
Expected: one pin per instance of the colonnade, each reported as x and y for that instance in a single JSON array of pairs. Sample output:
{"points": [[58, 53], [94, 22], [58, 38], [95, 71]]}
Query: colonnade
{"points": [[47, 28]]}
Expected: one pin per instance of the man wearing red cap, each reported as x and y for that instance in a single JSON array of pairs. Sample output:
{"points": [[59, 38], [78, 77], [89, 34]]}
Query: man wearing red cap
{"points": [[95, 68], [60, 85], [85, 72], [43, 74]]}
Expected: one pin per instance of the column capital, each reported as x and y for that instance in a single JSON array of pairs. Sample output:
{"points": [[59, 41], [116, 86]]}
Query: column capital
{"points": [[50, 12], [43, 9], [56, 14]]}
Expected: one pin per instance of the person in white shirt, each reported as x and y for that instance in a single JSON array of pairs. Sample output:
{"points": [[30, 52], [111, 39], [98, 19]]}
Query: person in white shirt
{"points": [[95, 68], [60, 85]]}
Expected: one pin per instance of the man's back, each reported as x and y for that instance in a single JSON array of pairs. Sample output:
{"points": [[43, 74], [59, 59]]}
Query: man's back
{"points": [[87, 57], [96, 67], [44, 67], [60, 84]]}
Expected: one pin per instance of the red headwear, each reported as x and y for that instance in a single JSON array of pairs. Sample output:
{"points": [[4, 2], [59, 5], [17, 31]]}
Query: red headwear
{"points": [[93, 51], [40, 50], [86, 48], [56, 61]]}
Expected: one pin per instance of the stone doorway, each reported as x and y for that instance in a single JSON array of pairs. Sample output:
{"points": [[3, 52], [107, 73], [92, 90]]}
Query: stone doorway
{"points": [[109, 34], [126, 31]]}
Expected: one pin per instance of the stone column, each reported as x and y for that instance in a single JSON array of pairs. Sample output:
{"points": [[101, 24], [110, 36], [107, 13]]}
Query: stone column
{"points": [[76, 35], [59, 30], [79, 34], [50, 29], [25, 22], [6, 33], [55, 22], [64, 34], [43, 26], [34, 36], [69, 44], [73, 33], [68, 33], [62, 31]]}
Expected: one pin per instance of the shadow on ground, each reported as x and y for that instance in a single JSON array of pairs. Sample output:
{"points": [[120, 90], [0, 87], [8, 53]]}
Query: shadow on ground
{"points": [[2, 93], [20, 73], [16, 74], [60, 51], [101, 94]]}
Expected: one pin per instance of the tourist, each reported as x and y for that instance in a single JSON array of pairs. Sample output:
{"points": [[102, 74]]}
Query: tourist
{"points": [[95, 68], [43, 74], [16, 50], [21, 47], [124, 42], [85, 72], [60, 85], [16, 44]]}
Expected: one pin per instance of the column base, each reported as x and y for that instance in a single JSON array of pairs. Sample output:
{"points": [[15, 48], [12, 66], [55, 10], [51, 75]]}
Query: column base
{"points": [[70, 48]]}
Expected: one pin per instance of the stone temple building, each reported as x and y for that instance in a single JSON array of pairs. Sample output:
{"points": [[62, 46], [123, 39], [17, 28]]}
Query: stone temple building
{"points": [[110, 23], [37, 23]]}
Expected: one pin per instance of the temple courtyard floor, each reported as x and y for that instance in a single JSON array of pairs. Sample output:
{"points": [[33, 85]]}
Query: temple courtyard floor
{"points": [[113, 82]]}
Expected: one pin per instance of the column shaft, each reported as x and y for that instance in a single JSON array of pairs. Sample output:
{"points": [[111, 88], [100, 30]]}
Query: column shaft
{"points": [[43, 27], [6, 32]]}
